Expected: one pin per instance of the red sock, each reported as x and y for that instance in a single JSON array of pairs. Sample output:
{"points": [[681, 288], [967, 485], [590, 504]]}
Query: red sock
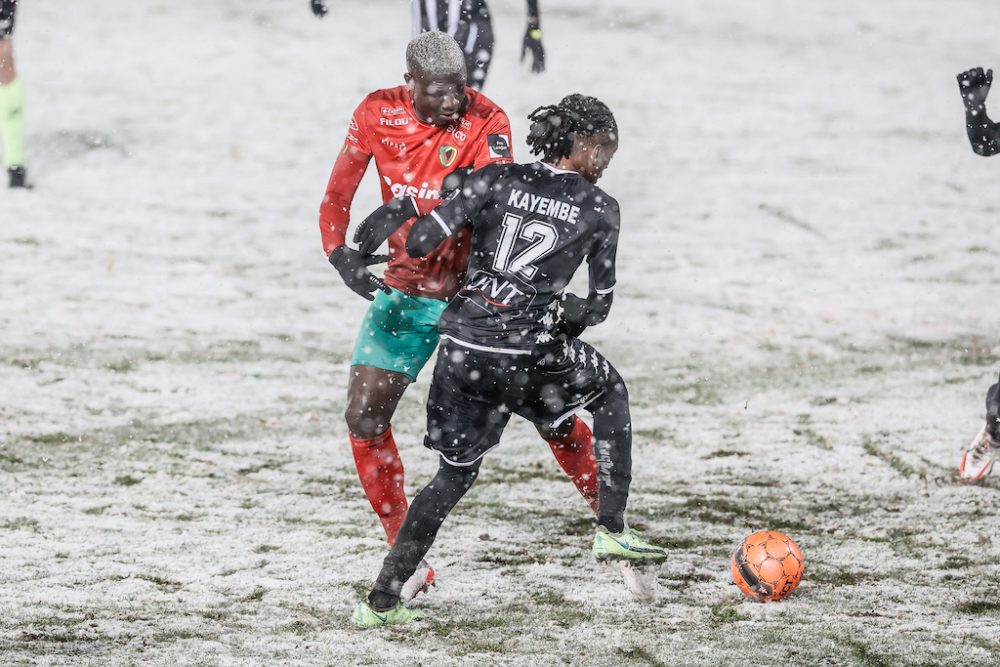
{"points": [[381, 473], [575, 454]]}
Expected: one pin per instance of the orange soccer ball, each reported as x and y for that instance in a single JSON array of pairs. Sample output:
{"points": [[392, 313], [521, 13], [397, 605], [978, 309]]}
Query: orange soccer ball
{"points": [[768, 565]]}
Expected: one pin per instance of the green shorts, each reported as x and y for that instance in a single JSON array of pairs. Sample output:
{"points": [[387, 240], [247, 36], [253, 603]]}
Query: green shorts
{"points": [[399, 333]]}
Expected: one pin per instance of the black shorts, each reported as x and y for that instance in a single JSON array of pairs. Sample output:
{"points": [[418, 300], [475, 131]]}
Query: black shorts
{"points": [[474, 393], [7, 8]]}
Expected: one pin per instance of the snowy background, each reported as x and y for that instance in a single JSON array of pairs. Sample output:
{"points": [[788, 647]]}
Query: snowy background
{"points": [[804, 317]]}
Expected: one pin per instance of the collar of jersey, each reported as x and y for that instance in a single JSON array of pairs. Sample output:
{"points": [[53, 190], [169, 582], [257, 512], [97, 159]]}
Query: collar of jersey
{"points": [[557, 170]]}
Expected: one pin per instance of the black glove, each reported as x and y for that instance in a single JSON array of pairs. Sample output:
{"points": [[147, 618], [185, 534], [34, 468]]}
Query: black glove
{"points": [[533, 42], [455, 180], [318, 7], [975, 86], [382, 223], [353, 268]]}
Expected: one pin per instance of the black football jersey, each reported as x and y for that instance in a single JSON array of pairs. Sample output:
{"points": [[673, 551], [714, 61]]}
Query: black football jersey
{"points": [[532, 227]]}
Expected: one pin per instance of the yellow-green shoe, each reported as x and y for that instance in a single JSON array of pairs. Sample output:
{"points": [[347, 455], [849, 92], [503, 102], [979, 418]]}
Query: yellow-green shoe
{"points": [[626, 545], [366, 617]]}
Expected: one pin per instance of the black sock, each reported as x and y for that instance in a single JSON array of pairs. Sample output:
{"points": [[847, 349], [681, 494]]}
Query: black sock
{"points": [[613, 451], [382, 601]]}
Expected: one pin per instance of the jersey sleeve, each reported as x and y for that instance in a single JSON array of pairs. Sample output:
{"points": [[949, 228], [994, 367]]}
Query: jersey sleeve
{"points": [[335, 211], [458, 209], [497, 147], [601, 260], [357, 130]]}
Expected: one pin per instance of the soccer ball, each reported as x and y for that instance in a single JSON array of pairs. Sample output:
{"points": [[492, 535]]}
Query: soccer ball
{"points": [[768, 565]]}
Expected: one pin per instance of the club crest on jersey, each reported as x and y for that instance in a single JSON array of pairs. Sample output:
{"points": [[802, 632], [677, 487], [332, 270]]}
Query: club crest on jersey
{"points": [[448, 155], [499, 145]]}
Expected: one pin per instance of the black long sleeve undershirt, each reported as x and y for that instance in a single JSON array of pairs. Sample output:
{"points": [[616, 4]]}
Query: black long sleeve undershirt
{"points": [[984, 134]]}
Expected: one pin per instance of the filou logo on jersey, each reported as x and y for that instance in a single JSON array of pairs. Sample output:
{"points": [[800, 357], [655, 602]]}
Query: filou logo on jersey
{"points": [[448, 155]]}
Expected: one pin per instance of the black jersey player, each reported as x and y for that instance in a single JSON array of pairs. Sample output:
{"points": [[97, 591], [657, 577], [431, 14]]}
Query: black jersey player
{"points": [[984, 136], [507, 346], [469, 22]]}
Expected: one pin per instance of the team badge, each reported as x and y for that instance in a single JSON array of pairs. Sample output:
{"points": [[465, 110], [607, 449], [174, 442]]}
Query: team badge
{"points": [[448, 155], [499, 145]]}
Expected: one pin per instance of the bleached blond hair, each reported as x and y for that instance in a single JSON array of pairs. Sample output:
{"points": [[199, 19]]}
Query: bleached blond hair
{"points": [[435, 55]]}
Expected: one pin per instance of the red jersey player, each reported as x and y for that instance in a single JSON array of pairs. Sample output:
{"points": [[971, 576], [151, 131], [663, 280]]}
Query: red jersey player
{"points": [[418, 133]]}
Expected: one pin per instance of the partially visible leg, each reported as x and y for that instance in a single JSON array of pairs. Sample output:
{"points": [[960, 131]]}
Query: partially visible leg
{"points": [[372, 397], [572, 444], [477, 44], [993, 411], [978, 458], [429, 510], [11, 113], [613, 449]]}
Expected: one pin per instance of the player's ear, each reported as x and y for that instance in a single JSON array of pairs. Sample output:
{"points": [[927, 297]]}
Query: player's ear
{"points": [[408, 78]]}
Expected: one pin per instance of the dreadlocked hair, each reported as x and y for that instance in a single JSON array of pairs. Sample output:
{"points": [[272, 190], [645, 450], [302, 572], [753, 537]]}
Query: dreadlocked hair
{"points": [[554, 127]]}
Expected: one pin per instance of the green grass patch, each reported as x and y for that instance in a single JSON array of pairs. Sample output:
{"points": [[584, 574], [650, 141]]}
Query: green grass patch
{"points": [[725, 613], [639, 655], [724, 453], [955, 562], [124, 365], [979, 607], [168, 585], [57, 438], [127, 480], [870, 446], [813, 437], [256, 595], [266, 548], [21, 523], [836, 577], [864, 653], [361, 588]]}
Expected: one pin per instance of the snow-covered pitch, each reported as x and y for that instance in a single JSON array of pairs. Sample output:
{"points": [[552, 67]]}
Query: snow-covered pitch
{"points": [[806, 317]]}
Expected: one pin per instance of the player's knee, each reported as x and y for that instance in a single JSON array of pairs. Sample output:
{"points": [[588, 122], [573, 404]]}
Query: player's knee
{"points": [[364, 422], [559, 433], [7, 71]]}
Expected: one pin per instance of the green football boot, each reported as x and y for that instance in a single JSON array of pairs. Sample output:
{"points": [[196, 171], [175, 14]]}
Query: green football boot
{"points": [[626, 545], [366, 617]]}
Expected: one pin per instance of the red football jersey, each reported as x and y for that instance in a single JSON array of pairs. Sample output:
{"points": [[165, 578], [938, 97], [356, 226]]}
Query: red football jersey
{"points": [[412, 158]]}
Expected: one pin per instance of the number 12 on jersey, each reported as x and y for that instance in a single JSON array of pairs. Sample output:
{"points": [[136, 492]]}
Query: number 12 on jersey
{"points": [[541, 236]]}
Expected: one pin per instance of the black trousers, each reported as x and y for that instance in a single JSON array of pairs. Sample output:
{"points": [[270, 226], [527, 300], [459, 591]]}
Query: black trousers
{"points": [[472, 397]]}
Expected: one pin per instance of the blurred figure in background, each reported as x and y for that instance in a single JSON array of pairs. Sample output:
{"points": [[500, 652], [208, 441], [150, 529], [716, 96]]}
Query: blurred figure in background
{"points": [[468, 21], [984, 135], [11, 99]]}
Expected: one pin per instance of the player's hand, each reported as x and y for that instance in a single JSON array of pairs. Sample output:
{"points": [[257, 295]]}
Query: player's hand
{"points": [[975, 86], [383, 223], [455, 180], [574, 310], [318, 7], [533, 43], [353, 268]]}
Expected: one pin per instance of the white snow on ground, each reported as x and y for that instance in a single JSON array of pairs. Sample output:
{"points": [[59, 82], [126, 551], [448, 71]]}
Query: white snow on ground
{"points": [[805, 318]]}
